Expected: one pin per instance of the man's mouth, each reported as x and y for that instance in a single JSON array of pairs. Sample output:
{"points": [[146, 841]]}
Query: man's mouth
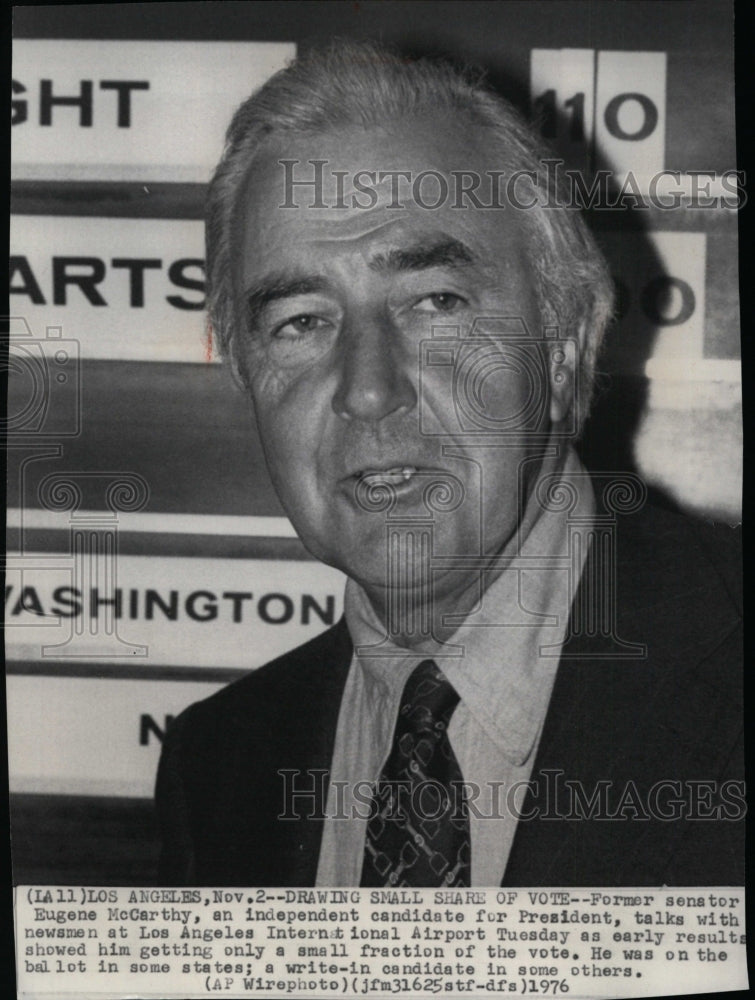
{"points": [[394, 475]]}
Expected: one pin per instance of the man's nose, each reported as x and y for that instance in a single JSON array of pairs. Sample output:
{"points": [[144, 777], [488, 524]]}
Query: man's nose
{"points": [[375, 373]]}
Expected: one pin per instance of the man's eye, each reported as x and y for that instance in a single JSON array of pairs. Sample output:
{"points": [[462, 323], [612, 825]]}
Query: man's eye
{"points": [[298, 325], [441, 302]]}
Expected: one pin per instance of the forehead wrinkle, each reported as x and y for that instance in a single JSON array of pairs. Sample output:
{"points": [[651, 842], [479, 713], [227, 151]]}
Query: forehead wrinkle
{"points": [[424, 254], [433, 249], [353, 228]]}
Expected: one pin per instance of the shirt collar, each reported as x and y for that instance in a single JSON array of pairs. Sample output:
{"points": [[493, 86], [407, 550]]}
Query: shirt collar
{"points": [[385, 665]]}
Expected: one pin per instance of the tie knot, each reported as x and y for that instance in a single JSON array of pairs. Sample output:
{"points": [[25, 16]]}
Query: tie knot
{"points": [[429, 698]]}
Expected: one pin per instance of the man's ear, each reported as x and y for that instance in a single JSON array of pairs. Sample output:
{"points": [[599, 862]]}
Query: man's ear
{"points": [[563, 380]]}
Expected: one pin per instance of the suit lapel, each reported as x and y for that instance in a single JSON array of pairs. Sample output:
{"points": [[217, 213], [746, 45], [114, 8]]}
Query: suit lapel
{"points": [[303, 746]]}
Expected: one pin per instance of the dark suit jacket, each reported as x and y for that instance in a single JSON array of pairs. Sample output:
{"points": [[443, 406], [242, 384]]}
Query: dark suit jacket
{"points": [[673, 716]]}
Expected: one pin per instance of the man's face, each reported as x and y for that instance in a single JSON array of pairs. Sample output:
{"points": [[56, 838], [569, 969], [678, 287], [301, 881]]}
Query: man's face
{"points": [[339, 301]]}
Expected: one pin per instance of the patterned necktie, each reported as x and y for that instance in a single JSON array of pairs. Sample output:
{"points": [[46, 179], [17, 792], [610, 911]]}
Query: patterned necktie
{"points": [[418, 830]]}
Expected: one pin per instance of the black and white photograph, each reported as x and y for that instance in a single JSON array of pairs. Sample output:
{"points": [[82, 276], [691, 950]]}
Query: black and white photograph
{"points": [[373, 592]]}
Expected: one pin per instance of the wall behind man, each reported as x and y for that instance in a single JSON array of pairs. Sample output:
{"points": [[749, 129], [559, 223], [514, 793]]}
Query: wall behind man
{"points": [[150, 560]]}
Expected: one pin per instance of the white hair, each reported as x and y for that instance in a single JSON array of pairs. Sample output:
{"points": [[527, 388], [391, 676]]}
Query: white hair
{"points": [[361, 83]]}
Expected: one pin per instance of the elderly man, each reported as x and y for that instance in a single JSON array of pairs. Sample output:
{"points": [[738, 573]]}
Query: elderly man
{"points": [[535, 680]]}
